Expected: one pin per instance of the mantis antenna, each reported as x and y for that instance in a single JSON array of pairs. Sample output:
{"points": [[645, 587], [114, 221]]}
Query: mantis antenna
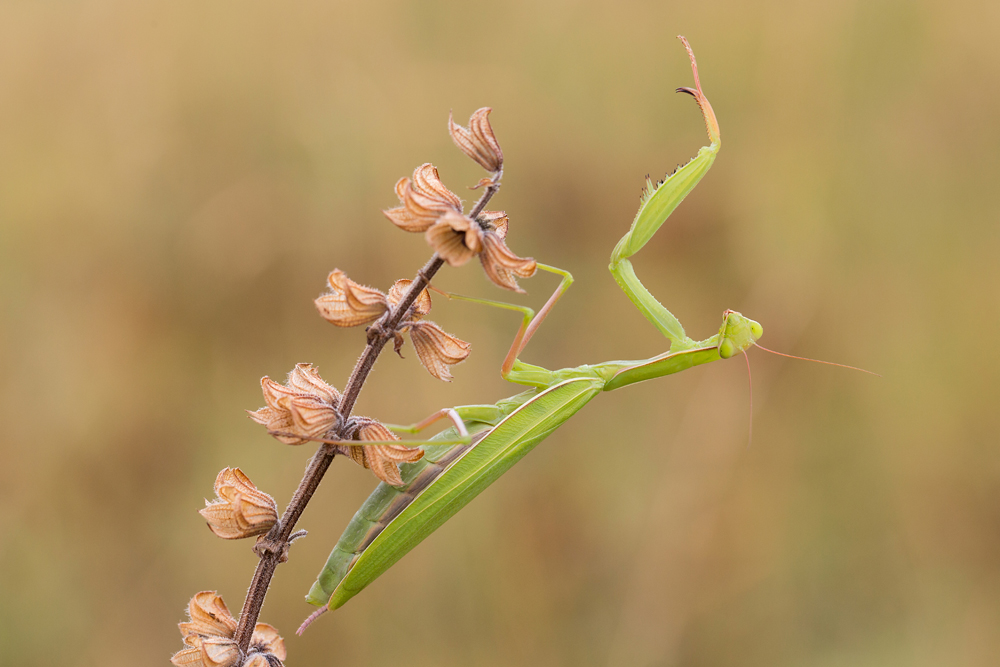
{"points": [[790, 356], [818, 361]]}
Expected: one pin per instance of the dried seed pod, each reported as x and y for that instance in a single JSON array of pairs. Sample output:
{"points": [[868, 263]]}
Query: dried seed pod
{"points": [[426, 182], [305, 378], [219, 652], [209, 633], [304, 408], [401, 216], [478, 141], [501, 265], [424, 199], [303, 417], [382, 460], [349, 304], [267, 648], [209, 617], [241, 510], [421, 305], [495, 221], [267, 640], [456, 238], [437, 349], [189, 657]]}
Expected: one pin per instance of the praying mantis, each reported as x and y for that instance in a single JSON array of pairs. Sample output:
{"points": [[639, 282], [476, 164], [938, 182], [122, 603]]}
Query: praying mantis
{"points": [[487, 440]]}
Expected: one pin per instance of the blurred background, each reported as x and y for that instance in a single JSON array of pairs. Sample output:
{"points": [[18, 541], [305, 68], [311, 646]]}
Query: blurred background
{"points": [[177, 179]]}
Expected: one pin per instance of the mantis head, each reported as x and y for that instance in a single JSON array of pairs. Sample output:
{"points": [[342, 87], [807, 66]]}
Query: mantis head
{"points": [[737, 333]]}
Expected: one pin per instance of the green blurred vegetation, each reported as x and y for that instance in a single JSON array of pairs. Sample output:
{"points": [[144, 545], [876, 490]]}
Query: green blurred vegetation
{"points": [[178, 178]]}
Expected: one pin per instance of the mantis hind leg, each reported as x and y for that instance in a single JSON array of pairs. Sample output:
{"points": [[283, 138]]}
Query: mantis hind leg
{"points": [[536, 321], [459, 416]]}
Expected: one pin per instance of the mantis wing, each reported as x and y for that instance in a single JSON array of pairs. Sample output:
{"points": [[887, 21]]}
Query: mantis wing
{"points": [[392, 521]]}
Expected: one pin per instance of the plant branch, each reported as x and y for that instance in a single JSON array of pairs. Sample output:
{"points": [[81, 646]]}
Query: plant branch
{"points": [[274, 545]]}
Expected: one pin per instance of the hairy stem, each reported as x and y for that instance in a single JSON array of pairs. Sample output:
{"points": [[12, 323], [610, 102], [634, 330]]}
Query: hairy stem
{"points": [[378, 336]]}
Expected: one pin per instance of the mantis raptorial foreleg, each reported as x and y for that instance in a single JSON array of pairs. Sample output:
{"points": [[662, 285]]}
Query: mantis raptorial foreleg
{"points": [[657, 203]]}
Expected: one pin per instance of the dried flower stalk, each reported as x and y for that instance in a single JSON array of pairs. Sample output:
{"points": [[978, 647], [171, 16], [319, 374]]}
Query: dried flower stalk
{"points": [[305, 405]]}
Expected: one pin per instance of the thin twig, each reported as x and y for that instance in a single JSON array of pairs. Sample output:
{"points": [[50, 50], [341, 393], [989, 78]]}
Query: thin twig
{"points": [[379, 335]]}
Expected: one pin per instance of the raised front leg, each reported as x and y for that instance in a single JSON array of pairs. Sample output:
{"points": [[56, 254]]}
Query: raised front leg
{"points": [[657, 203]]}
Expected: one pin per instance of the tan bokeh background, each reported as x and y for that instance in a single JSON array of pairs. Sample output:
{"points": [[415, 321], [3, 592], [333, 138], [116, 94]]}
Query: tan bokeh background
{"points": [[178, 178]]}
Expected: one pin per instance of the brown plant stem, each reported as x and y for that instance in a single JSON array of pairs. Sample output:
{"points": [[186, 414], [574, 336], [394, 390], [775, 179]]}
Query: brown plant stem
{"points": [[275, 543]]}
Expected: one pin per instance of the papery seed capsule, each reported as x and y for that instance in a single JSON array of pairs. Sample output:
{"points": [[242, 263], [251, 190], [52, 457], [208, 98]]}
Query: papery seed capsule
{"points": [[266, 639], [219, 652], [478, 141], [437, 349], [455, 238], [424, 199], [209, 617], [501, 265], [241, 509], [382, 460], [209, 633], [349, 304], [304, 408]]}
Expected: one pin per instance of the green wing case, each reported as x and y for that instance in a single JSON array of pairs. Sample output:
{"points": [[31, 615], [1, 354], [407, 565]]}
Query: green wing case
{"points": [[394, 520], [382, 506]]}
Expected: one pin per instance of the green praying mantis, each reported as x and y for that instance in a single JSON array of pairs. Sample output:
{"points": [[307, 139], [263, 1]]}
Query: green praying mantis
{"points": [[486, 440]]}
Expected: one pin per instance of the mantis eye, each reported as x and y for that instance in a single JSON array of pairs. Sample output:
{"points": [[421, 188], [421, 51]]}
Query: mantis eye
{"points": [[726, 348], [756, 330]]}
